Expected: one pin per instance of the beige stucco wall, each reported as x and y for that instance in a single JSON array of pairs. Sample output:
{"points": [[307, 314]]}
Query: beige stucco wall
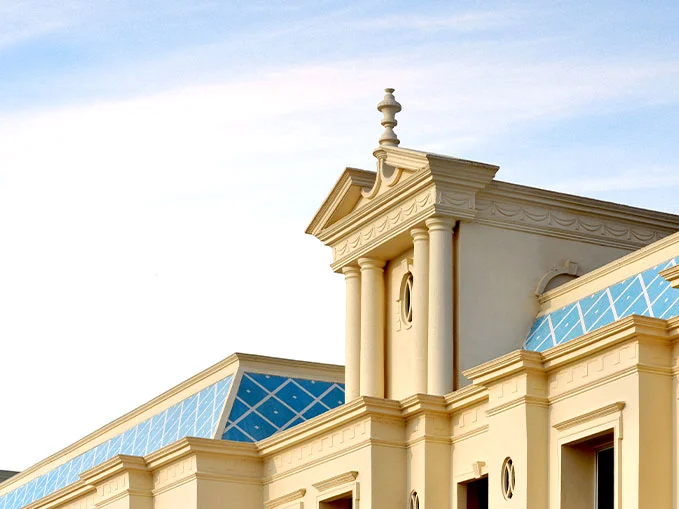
{"points": [[399, 338], [497, 272]]}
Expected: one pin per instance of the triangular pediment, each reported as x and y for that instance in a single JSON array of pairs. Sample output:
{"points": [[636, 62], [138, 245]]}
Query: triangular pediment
{"points": [[343, 198]]}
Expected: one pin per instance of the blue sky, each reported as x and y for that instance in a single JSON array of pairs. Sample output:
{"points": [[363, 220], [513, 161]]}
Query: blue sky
{"points": [[160, 160]]}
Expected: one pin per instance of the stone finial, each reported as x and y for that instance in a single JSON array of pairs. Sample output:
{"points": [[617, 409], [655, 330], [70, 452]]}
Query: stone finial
{"points": [[389, 107]]}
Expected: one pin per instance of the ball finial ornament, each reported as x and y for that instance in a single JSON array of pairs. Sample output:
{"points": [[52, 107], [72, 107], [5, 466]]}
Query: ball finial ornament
{"points": [[389, 107]]}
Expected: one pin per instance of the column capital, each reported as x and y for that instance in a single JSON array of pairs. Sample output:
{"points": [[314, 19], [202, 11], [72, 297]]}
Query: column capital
{"points": [[351, 271], [419, 234], [438, 223], [371, 263]]}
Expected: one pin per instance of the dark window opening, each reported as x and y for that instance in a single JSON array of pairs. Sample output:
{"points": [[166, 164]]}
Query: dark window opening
{"points": [[473, 494], [342, 502], [604, 478]]}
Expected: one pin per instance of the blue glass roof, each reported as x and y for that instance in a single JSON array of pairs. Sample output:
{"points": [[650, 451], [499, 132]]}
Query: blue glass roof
{"points": [[196, 416], [266, 404], [646, 294]]}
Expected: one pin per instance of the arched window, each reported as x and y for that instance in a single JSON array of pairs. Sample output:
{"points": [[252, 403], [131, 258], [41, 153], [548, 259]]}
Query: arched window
{"points": [[414, 500]]}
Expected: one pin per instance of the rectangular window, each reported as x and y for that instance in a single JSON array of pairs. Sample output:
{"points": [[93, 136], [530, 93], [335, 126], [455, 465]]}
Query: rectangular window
{"points": [[340, 502], [587, 473], [473, 494], [604, 478]]}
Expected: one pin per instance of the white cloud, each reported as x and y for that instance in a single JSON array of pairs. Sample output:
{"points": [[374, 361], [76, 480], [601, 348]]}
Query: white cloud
{"points": [[139, 230]]}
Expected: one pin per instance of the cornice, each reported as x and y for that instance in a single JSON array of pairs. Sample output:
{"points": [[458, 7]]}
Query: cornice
{"points": [[67, 494], [358, 218], [190, 446], [469, 434], [520, 401], [284, 499], [114, 466], [589, 416], [628, 328], [465, 397], [507, 365], [359, 408], [421, 185], [671, 275], [337, 480], [423, 403], [92, 439], [262, 363], [351, 182], [614, 266], [565, 216]]}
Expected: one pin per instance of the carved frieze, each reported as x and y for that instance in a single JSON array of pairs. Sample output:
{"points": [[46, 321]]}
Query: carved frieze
{"points": [[383, 224], [580, 226]]}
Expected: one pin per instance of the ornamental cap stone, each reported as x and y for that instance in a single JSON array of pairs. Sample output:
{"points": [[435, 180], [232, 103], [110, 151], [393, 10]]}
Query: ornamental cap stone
{"points": [[389, 107]]}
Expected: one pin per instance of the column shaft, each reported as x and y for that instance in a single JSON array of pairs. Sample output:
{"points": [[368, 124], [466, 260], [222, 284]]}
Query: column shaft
{"points": [[440, 346], [352, 277], [372, 327], [420, 311]]}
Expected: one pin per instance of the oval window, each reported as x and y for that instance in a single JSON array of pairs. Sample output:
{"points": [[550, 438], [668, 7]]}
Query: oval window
{"points": [[508, 478], [407, 299]]}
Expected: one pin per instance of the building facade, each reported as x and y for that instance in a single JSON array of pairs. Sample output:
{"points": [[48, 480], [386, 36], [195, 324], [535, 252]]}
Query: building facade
{"points": [[505, 347]]}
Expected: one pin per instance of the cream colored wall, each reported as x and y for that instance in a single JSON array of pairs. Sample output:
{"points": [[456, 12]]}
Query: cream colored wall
{"points": [[219, 494], [655, 438], [399, 351], [497, 273]]}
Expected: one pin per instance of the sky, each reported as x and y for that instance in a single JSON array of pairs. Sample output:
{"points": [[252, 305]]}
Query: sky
{"points": [[160, 161]]}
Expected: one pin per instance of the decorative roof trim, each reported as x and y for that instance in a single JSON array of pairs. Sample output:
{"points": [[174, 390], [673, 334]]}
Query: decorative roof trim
{"points": [[360, 407], [347, 189], [98, 436], [613, 408], [617, 265], [637, 327], [565, 216], [422, 403], [671, 275], [507, 365], [337, 480], [633, 326], [288, 497]]}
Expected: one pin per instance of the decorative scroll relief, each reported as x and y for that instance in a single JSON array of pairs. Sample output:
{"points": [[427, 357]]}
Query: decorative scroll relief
{"points": [[584, 225], [456, 200], [384, 224], [464, 202]]}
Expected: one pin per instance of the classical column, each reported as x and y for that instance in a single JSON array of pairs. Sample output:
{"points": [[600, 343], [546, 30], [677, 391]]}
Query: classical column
{"points": [[440, 345], [372, 327], [420, 311], [352, 276]]}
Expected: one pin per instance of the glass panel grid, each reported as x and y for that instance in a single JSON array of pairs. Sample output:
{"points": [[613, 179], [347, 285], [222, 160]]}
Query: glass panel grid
{"points": [[646, 294], [135, 441]]}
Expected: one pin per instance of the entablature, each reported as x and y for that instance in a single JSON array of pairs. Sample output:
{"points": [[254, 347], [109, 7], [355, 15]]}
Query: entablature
{"points": [[409, 187]]}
